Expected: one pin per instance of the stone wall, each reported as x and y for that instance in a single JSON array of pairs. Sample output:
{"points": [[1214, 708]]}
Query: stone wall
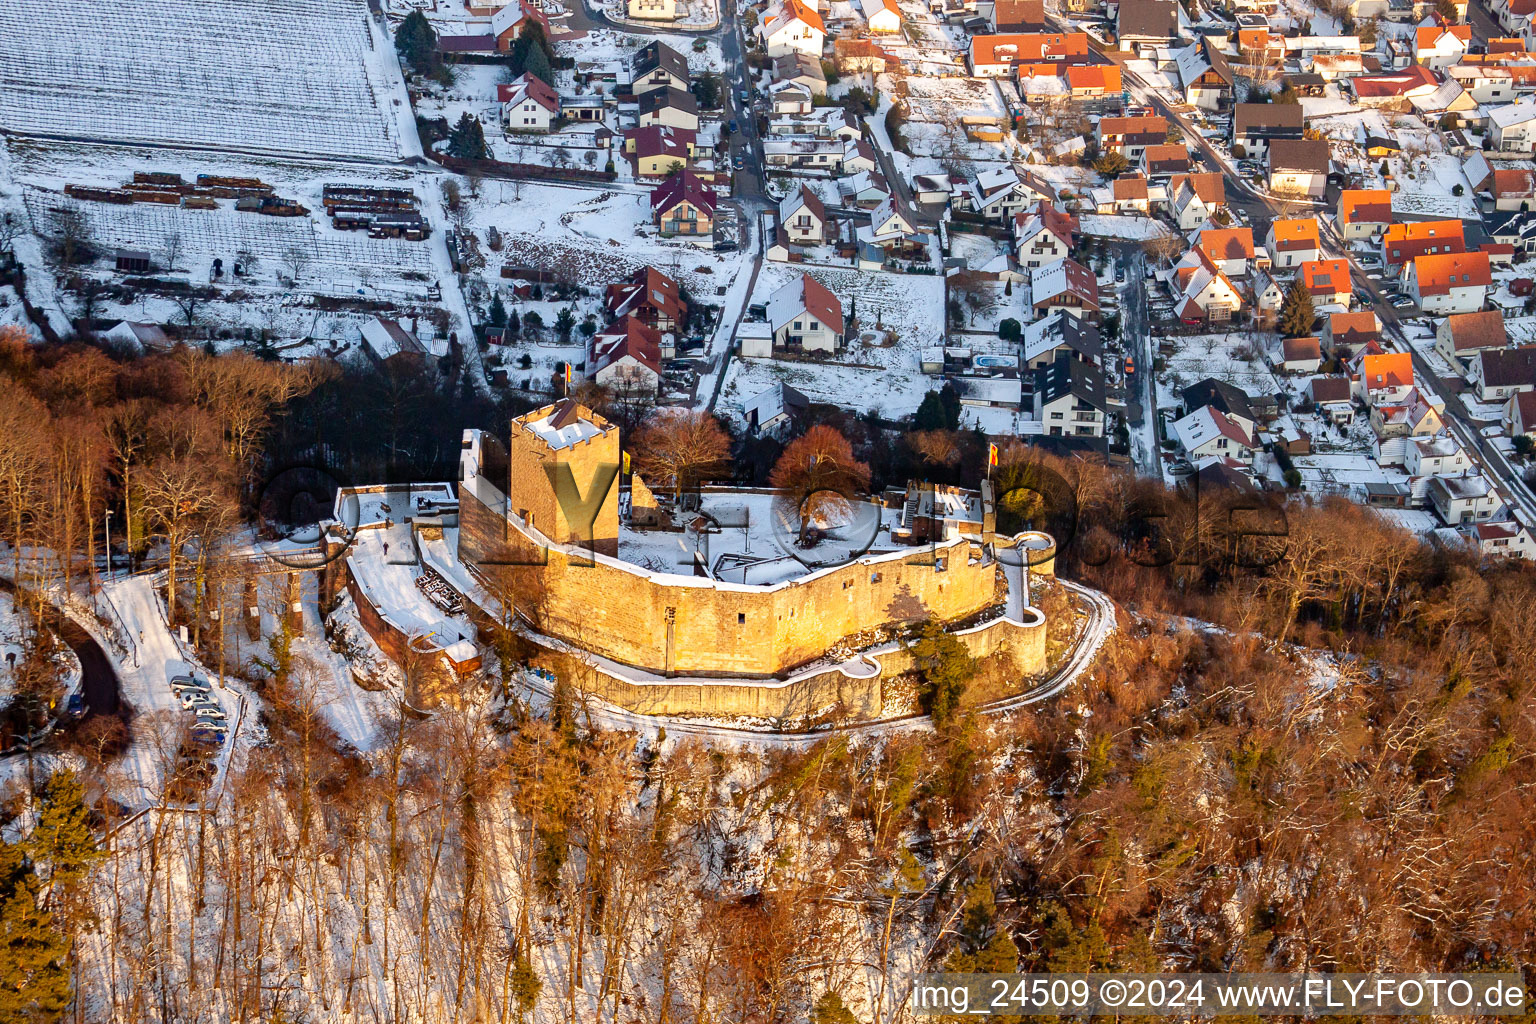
{"points": [[856, 690], [675, 625]]}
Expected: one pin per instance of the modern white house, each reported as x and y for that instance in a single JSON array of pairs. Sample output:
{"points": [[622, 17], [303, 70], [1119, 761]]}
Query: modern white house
{"points": [[791, 26], [1460, 500], [530, 105], [806, 316], [1446, 283], [1210, 433], [1512, 127], [882, 16]]}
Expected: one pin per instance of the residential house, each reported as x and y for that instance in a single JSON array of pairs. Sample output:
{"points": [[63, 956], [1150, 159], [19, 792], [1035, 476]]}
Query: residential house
{"points": [[772, 413], [1090, 83], [1000, 193], [1228, 398], [1435, 456], [1162, 162], [1498, 374], [1398, 425], [511, 19], [882, 16], [1363, 213], [1382, 378], [1520, 414], [1291, 243], [1265, 295], [1146, 23], [1129, 194], [669, 108], [657, 66], [1345, 334], [1461, 336], [656, 151], [1331, 396], [528, 105], [1069, 397], [1229, 248], [1441, 45], [681, 205], [1204, 75], [1018, 16], [1301, 355], [1256, 125], [803, 218], [1042, 235], [1503, 540], [1513, 127], [1208, 432], [861, 56], [1299, 166], [1404, 241], [1461, 500], [626, 355], [652, 10], [1512, 188], [1449, 283], [865, 190], [1060, 332], [803, 70], [833, 155], [1066, 285], [1332, 66], [651, 297], [1130, 136], [1195, 198], [1514, 16], [997, 56], [791, 26], [1204, 293], [1393, 90], [806, 316], [1328, 282]]}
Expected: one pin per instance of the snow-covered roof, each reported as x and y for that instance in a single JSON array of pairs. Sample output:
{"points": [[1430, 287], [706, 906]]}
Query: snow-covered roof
{"points": [[563, 426]]}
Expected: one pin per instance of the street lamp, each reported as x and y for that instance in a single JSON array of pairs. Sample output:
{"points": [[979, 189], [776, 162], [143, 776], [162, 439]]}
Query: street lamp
{"points": [[107, 529]]}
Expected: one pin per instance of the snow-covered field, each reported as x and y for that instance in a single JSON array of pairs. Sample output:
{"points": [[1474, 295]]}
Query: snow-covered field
{"points": [[305, 77]]}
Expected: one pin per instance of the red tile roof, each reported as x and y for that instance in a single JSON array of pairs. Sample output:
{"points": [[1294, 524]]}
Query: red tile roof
{"points": [[1438, 273]]}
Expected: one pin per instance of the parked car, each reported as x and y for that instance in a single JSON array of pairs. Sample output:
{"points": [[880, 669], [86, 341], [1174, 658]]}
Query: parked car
{"points": [[738, 162], [187, 684], [210, 714], [733, 127], [191, 700]]}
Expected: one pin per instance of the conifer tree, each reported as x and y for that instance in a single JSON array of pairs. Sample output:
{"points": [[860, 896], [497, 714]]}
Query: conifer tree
{"points": [[63, 839], [34, 973], [1296, 313], [416, 42]]}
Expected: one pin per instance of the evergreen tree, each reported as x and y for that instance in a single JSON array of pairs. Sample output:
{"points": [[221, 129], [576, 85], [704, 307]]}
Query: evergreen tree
{"points": [[498, 312], [1009, 329], [1296, 313], [830, 1009], [565, 320], [467, 140], [514, 325], [416, 43], [945, 668], [532, 54], [63, 839], [949, 397], [34, 972], [930, 413]]}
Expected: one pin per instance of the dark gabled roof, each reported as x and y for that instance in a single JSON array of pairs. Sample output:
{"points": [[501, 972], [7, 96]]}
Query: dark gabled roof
{"points": [[1510, 367], [1247, 117], [1068, 376], [1148, 19], [1218, 474], [1081, 336], [657, 54], [1300, 155], [677, 99], [1229, 398]]}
